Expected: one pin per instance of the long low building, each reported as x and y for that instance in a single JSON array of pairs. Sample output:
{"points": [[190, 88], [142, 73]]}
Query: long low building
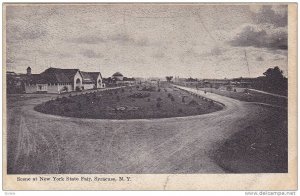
{"points": [[56, 80]]}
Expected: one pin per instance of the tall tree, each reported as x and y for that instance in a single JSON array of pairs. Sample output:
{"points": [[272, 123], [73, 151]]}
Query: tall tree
{"points": [[169, 78], [274, 73]]}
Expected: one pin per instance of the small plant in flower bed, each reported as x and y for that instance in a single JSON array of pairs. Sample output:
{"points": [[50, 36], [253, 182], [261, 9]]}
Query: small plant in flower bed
{"points": [[158, 105], [193, 102], [148, 88], [139, 95]]}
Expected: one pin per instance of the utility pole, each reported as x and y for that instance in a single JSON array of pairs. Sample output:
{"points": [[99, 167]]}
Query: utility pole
{"points": [[247, 63]]}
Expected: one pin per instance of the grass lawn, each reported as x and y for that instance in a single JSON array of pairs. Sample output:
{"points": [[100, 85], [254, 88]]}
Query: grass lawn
{"points": [[260, 148], [250, 97], [137, 102]]}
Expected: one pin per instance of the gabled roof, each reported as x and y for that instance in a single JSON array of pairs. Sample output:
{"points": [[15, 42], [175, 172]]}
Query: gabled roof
{"points": [[90, 77], [56, 75], [34, 79]]}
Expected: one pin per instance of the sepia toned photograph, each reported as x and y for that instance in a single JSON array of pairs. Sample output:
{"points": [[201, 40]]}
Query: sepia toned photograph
{"points": [[146, 89]]}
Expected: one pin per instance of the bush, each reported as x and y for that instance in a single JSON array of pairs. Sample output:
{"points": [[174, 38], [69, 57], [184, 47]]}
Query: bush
{"points": [[118, 98], [158, 99], [66, 108], [246, 90], [180, 110], [229, 88], [158, 90], [148, 99], [65, 100], [169, 95], [183, 101], [79, 106], [148, 88], [158, 105], [172, 98], [77, 88], [139, 95], [193, 102]]}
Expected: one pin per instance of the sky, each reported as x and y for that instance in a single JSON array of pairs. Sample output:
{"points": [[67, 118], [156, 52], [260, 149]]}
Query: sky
{"points": [[148, 40]]}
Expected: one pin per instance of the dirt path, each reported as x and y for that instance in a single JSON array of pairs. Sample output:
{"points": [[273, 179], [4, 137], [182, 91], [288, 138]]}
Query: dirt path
{"points": [[53, 144]]}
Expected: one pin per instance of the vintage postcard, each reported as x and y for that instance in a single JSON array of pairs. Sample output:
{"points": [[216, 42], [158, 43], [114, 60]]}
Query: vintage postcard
{"points": [[150, 96]]}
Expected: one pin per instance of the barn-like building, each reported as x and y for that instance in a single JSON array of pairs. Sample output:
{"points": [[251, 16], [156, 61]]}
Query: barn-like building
{"points": [[56, 80]]}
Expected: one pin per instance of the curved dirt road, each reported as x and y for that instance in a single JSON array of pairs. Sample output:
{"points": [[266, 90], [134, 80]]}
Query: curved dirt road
{"points": [[40, 143]]}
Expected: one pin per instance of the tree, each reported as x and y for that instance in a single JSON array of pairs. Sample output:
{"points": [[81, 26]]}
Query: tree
{"points": [[169, 78], [274, 73], [274, 81]]}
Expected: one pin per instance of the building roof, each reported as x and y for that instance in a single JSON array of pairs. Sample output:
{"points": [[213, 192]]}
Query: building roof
{"points": [[56, 75], [95, 75], [34, 79], [117, 74]]}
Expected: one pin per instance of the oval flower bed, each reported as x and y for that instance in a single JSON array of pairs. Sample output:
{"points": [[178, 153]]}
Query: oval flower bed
{"points": [[130, 103]]}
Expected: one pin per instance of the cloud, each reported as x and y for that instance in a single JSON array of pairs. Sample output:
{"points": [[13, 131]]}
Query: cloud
{"points": [[124, 38], [87, 40], [121, 38], [259, 58], [275, 15], [158, 55], [19, 31], [91, 54], [260, 37]]}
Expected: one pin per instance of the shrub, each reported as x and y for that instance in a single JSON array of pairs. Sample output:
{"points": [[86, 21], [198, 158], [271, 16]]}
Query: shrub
{"points": [[148, 88], [246, 90], [172, 98], [79, 106], [229, 88], [180, 110], [118, 98], [148, 99], [158, 99], [158, 90], [77, 88], [123, 90], [66, 108], [193, 102], [183, 101], [65, 100], [158, 105], [169, 95], [140, 95]]}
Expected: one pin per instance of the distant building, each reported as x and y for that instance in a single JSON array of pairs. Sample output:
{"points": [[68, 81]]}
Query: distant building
{"points": [[56, 80], [117, 76], [117, 79]]}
